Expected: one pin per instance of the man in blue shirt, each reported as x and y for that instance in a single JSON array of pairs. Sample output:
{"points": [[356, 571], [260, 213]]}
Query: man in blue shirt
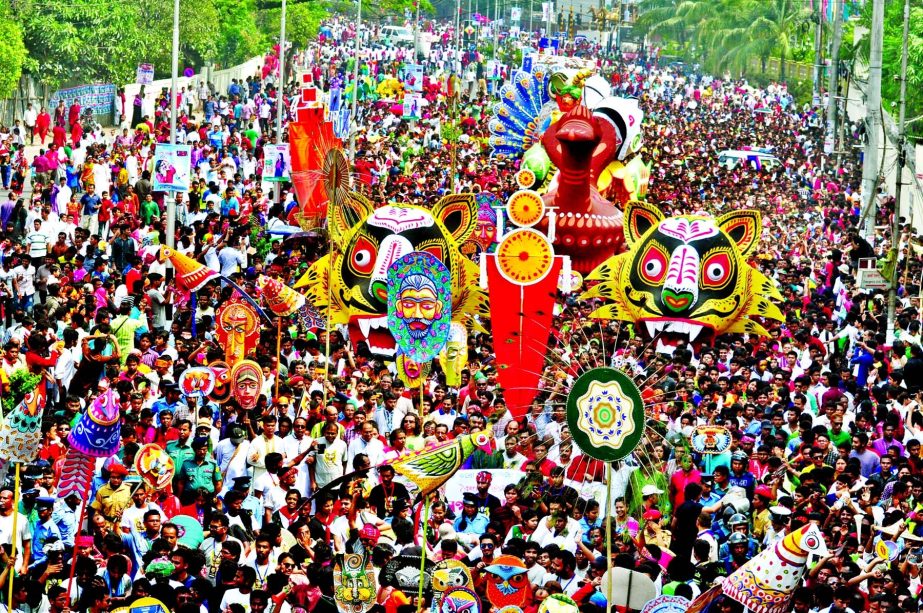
{"points": [[470, 522], [90, 202], [45, 529]]}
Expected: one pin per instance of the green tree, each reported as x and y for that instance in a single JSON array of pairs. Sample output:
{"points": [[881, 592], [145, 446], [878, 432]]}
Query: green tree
{"points": [[764, 28], [240, 37], [12, 55], [86, 41]]}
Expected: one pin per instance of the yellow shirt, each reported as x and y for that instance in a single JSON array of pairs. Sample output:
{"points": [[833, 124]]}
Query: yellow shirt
{"points": [[760, 523], [111, 502]]}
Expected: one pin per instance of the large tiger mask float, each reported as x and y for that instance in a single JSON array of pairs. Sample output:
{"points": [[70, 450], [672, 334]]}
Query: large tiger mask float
{"points": [[365, 241], [686, 278]]}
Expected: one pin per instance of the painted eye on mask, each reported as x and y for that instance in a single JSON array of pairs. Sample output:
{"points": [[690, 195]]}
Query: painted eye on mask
{"points": [[362, 258], [653, 265], [716, 271]]}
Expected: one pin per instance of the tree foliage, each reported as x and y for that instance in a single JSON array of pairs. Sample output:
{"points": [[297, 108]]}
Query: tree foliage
{"points": [[62, 42], [891, 58], [727, 34], [12, 55]]}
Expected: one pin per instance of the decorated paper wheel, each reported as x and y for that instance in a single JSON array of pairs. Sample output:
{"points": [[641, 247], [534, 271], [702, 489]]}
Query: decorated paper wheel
{"points": [[525, 178], [525, 208], [524, 257], [605, 414]]}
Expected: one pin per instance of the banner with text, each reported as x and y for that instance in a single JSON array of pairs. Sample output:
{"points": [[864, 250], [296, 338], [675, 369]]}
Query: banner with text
{"points": [[99, 98]]}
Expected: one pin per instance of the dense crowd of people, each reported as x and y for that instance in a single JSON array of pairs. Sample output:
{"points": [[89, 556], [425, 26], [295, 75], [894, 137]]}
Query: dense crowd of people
{"points": [[824, 415]]}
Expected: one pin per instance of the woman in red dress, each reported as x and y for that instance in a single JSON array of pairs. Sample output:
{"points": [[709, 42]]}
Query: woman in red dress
{"points": [[43, 124]]}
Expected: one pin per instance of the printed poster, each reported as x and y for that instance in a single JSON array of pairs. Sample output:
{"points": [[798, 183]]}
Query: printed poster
{"points": [[413, 77], [515, 14], [145, 74], [172, 168], [412, 106], [277, 163]]}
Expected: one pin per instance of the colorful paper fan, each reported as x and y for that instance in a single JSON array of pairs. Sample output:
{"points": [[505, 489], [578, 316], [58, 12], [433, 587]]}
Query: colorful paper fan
{"points": [[524, 257], [281, 299], [190, 274], [190, 531], [605, 413], [419, 305], [155, 466], [525, 208]]}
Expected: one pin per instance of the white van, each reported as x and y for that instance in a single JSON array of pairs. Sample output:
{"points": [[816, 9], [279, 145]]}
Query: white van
{"points": [[397, 35], [735, 158]]}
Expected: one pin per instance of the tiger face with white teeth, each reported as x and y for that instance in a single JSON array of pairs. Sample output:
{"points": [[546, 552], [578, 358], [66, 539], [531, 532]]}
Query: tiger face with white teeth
{"points": [[686, 277]]}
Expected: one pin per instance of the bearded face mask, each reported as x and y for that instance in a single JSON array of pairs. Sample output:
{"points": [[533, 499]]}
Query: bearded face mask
{"points": [[419, 305]]}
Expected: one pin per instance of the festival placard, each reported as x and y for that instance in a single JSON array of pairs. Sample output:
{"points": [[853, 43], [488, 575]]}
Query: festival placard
{"points": [[412, 106], [97, 98], [171, 168], [515, 14], [336, 100], [413, 77], [277, 163], [145, 74]]}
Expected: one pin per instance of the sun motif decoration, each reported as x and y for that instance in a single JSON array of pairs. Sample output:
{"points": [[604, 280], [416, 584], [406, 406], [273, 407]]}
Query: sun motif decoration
{"points": [[524, 257], [605, 413], [525, 208]]}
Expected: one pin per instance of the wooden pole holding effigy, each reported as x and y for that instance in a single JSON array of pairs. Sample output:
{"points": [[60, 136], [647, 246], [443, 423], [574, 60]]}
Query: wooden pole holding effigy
{"points": [[70, 581], [423, 552], [609, 535], [275, 394], [12, 571]]}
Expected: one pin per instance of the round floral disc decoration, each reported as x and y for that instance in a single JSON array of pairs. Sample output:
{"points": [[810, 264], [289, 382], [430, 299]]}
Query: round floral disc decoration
{"points": [[605, 414], [524, 257], [525, 208]]}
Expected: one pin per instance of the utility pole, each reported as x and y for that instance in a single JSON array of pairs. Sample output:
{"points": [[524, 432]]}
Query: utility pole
{"points": [[171, 199], [280, 96], [618, 33], [531, 10], [901, 160], [352, 114], [873, 121], [818, 49], [416, 32], [833, 79]]}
